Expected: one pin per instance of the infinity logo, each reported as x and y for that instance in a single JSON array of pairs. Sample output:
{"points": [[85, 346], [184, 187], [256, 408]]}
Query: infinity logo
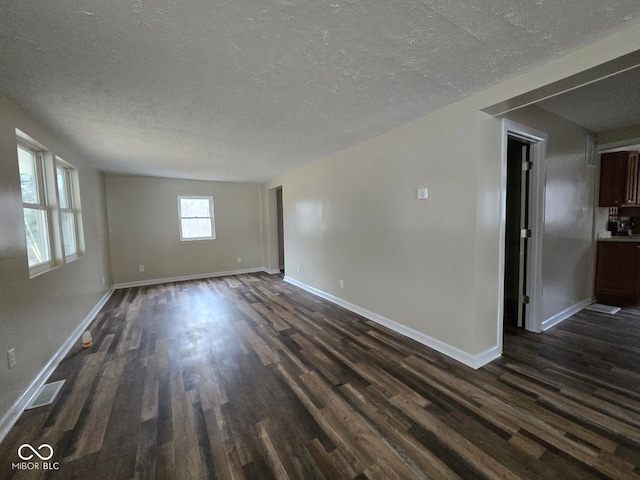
{"points": [[29, 455]]}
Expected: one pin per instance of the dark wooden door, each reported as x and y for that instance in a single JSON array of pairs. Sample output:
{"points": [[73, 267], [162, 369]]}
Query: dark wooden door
{"points": [[613, 173], [631, 182]]}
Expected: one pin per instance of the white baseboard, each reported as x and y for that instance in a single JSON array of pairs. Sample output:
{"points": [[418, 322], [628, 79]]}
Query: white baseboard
{"points": [[473, 361], [564, 314], [9, 419], [272, 271], [199, 276]]}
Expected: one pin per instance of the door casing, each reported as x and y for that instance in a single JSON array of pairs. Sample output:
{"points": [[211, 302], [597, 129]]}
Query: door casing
{"points": [[537, 141]]}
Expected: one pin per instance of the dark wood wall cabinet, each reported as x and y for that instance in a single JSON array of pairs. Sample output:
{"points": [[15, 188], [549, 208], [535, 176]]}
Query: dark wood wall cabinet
{"points": [[618, 273], [619, 179]]}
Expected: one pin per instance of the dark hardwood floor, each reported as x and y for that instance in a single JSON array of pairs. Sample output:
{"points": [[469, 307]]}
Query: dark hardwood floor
{"points": [[250, 377]]}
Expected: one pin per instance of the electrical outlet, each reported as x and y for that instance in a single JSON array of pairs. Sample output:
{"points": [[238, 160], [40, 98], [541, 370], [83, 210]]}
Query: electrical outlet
{"points": [[341, 283], [141, 268], [298, 269], [239, 259], [11, 358]]}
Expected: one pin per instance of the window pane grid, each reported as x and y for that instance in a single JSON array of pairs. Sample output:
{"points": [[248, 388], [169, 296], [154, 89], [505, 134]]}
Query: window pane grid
{"points": [[51, 207], [35, 209], [196, 218], [68, 213], [195, 208], [30, 173]]}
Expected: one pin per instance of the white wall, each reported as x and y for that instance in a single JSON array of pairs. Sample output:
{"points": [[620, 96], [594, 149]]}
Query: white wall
{"points": [[568, 247], [144, 228], [37, 315], [355, 216], [434, 265]]}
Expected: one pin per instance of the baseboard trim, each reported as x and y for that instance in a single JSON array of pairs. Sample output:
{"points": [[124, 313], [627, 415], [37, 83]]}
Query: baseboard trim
{"points": [[564, 314], [199, 276], [473, 361], [272, 271], [10, 418]]}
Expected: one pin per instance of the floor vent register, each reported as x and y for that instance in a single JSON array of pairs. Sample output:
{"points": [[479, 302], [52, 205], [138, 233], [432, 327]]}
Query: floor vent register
{"points": [[45, 395], [600, 308]]}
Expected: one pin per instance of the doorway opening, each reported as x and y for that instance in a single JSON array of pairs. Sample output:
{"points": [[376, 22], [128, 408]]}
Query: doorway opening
{"points": [[280, 220], [522, 225], [275, 259], [517, 232]]}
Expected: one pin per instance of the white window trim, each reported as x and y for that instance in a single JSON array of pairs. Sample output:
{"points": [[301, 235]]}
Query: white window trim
{"points": [[73, 207], [43, 204], [211, 218], [46, 171]]}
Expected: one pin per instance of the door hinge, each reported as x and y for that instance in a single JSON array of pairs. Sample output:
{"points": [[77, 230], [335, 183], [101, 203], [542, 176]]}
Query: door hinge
{"points": [[524, 298], [525, 233], [526, 166]]}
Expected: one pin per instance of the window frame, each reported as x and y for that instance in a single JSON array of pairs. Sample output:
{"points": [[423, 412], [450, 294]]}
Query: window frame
{"points": [[72, 207], [45, 170], [42, 205], [211, 217]]}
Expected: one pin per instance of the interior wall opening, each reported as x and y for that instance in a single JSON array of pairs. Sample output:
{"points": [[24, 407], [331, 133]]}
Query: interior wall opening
{"points": [[516, 232], [522, 227], [280, 220]]}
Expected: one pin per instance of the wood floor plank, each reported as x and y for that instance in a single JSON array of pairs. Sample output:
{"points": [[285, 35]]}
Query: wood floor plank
{"points": [[574, 408], [227, 459], [249, 377], [91, 437], [275, 462], [328, 463], [394, 426], [185, 437], [466, 449]]}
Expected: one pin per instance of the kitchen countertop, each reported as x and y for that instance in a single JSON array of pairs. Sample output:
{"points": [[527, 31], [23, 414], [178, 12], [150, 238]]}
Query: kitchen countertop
{"points": [[627, 238]]}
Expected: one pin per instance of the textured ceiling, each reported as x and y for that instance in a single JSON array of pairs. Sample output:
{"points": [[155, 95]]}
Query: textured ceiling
{"points": [[244, 90], [609, 104]]}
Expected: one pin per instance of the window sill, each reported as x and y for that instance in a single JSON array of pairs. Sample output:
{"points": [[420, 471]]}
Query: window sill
{"points": [[196, 239], [71, 258], [40, 269]]}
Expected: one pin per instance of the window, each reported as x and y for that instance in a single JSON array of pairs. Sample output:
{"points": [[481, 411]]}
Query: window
{"points": [[51, 207], [69, 207], [196, 218], [34, 206]]}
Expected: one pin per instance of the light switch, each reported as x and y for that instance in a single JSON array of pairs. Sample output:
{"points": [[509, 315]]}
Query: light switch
{"points": [[423, 193]]}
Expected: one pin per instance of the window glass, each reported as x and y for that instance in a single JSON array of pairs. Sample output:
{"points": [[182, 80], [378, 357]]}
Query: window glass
{"points": [[69, 233], [196, 227], [36, 214], [37, 233], [28, 176], [194, 207], [63, 190], [69, 205], [196, 218]]}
